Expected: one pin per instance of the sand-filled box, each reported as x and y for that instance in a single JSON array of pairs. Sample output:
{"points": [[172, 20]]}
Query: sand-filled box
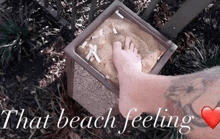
{"points": [[97, 48], [92, 50]]}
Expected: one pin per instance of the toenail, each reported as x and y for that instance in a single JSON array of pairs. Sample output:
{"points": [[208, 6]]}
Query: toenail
{"points": [[118, 42]]}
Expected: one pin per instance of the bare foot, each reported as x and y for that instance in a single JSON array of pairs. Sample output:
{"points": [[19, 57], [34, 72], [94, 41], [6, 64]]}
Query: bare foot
{"points": [[128, 65]]}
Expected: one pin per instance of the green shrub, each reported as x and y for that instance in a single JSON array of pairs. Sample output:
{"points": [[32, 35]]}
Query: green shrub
{"points": [[14, 33]]}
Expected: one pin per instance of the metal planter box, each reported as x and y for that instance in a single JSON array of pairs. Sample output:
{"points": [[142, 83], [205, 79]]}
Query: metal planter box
{"points": [[72, 56]]}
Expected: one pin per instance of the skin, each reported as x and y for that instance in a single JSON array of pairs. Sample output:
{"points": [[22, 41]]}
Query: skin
{"points": [[181, 95]]}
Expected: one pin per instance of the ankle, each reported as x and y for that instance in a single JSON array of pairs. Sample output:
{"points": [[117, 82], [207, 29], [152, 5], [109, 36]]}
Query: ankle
{"points": [[156, 87]]}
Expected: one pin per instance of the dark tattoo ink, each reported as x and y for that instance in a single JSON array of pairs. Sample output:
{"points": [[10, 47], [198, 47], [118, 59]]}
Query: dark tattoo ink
{"points": [[197, 120], [186, 90], [190, 89]]}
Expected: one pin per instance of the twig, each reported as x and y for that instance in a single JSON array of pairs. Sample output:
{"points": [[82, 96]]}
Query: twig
{"points": [[32, 133], [93, 133], [199, 52], [11, 44], [47, 92]]}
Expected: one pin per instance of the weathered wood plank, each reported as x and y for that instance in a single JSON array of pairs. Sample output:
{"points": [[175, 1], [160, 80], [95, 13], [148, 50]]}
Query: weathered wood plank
{"points": [[73, 16], [45, 3], [59, 8], [187, 12], [149, 9], [92, 11], [53, 12]]}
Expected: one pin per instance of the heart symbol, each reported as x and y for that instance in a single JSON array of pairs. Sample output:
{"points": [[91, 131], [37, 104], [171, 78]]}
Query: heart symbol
{"points": [[211, 116]]}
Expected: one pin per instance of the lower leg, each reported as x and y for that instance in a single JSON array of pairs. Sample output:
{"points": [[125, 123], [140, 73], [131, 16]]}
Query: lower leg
{"points": [[181, 95]]}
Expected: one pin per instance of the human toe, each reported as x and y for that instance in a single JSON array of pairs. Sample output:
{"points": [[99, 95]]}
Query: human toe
{"points": [[132, 47], [117, 45], [127, 43]]}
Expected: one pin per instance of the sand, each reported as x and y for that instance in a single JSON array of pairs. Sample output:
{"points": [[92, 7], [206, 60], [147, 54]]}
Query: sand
{"points": [[104, 36]]}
